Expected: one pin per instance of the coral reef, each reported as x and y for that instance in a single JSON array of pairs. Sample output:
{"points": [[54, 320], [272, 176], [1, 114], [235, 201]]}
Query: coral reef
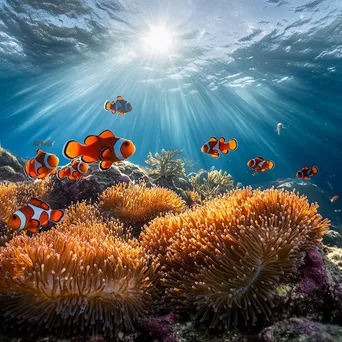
{"points": [[210, 184], [7, 158], [75, 279], [225, 258], [138, 204], [164, 164], [301, 330]]}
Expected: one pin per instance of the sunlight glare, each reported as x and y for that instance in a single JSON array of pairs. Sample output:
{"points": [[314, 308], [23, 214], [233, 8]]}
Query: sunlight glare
{"points": [[159, 40]]}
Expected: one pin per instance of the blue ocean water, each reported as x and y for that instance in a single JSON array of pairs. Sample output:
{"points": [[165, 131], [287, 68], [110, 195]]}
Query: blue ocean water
{"points": [[231, 68]]}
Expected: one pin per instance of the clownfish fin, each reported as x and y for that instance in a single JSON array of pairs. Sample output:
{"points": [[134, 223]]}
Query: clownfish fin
{"points": [[42, 176], [74, 162], [233, 144], [221, 140], [212, 139], [106, 134], [60, 174], [57, 216], [90, 139], [105, 153], [215, 155], [260, 158], [88, 159], [72, 149], [305, 168], [271, 164], [314, 170], [39, 203], [105, 165], [107, 105], [39, 152], [263, 170], [119, 98]]}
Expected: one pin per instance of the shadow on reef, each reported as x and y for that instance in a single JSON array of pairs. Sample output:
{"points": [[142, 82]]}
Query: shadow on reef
{"points": [[242, 266]]}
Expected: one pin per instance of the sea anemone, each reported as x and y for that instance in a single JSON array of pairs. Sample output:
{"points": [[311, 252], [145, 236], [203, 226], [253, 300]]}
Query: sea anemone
{"points": [[138, 204], [192, 198], [16, 195], [65, 282], [225, 259]]}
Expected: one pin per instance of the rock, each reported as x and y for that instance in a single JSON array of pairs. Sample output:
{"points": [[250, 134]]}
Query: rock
{"points": [[11, 167], [334, 255], [316, 295], [333, 237], [7, 173], [301, 330], [161, 327], [314, 194]]}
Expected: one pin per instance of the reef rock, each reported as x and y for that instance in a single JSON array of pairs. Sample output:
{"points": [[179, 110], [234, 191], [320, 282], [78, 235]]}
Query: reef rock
{"points": [[7, 173], [333, 237], [314, 194], [317, 295], [11, 166], [301, 330]]}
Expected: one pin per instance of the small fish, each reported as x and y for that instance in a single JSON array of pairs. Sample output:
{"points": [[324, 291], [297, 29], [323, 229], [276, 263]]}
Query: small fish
{"points": [[306, 173], [34, 215], [120, 105], [258, 164], [333, 199], [280, 126], [42, 165], [46, 143], [337, 210], [214, 146], [75, 170], [106, 148]]}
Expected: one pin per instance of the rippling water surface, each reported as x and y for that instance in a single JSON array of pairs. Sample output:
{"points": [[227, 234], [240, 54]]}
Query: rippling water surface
{"points": [[229, 68]]}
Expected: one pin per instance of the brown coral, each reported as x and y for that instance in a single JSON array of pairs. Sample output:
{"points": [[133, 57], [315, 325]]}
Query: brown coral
{"points": [[225, 258], [139, 204], [72, 282]]}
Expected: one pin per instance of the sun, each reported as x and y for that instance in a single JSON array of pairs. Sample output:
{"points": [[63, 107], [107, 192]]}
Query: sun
{"points": [[159, 40]]}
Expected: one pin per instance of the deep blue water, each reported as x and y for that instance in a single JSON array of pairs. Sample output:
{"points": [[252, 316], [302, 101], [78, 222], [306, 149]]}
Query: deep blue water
{"points": [[233, 69]]}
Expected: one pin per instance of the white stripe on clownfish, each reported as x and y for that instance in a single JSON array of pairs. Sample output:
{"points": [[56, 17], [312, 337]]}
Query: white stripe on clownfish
{"points": [[46, 161], [117, 149], [36, 165], [37, 212], [22, 218]]}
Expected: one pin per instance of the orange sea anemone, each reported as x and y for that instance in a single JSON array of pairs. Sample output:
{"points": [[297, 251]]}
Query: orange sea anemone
{"points": [[225, 259], [65, 284], [139, 204], [15, 195]]}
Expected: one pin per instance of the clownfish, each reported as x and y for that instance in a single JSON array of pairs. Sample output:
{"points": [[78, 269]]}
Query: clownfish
{"points": [[75, 170], [41, 165], [335, 198], [259, 164], [34, 215], [214, 146], [106, 148], [120, 105], [306, 173]]}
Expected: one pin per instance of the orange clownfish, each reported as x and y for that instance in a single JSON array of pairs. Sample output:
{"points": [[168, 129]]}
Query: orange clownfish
{"points": [[106, 148], [335, 198], [214, 146], [259, 164], [75, 170], [41, 165], [34, 215], [306, 173]]}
